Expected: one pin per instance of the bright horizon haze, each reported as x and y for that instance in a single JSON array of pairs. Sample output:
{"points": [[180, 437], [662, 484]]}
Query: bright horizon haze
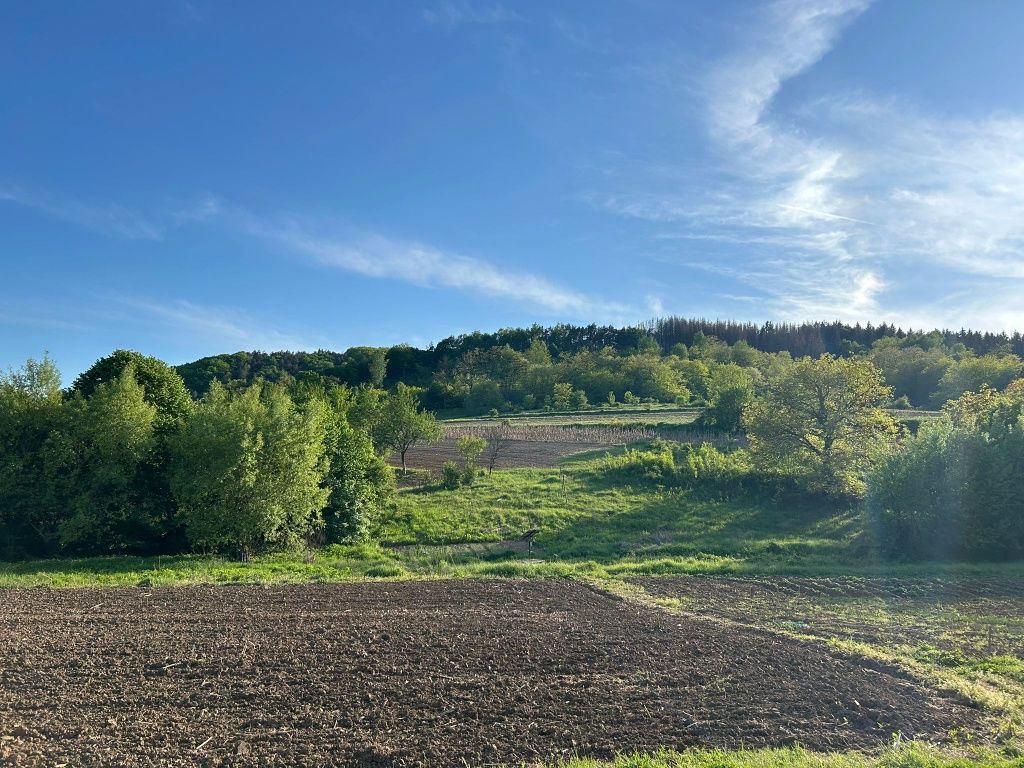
{"points": [[187, 178]]}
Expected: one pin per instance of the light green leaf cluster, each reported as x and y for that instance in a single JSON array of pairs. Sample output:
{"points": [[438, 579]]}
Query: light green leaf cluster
{"points": [[822, 421], [247, 469]]}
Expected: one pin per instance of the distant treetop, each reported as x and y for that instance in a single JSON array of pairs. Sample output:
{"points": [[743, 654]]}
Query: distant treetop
{"points": [[416, 366]]}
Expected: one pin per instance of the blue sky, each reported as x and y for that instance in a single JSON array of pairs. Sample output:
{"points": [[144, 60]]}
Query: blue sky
{"points": [[187, 178]]}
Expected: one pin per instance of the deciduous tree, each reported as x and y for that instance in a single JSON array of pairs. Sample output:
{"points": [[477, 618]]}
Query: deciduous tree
{"points": [[248, 470], [30, 409], [730, 391], [403, 424], [96, 458], [359, 481], [498, 437], [822, 421], [162, 386]]}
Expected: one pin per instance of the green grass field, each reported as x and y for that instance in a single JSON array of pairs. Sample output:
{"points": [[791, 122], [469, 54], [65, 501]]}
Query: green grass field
{"points": [[584, 516], [587, 525], [899, 756]]}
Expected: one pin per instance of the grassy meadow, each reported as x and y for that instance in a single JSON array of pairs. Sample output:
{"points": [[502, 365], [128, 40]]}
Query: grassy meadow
{"points": [[585, 524]]}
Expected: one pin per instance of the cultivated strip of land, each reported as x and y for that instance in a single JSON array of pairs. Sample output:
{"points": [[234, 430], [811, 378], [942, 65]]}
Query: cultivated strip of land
{"points": [[414, 673]]}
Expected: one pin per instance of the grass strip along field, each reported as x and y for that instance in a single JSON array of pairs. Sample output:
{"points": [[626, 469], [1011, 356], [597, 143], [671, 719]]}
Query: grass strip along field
{"points": [[964, 634]]}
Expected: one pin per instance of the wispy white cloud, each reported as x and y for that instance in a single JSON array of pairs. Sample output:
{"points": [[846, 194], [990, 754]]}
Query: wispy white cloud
{"points": [[103, 218], [375, 255], [220, 327], [786, 177], [203, 208], [456, 13], [784, 195], [370, 254], [842, 206], [655, 306], [13, 316], [789, 38]]}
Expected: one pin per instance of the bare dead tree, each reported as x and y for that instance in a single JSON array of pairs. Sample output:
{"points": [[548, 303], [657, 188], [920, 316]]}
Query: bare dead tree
{"points": [[498, 437]]}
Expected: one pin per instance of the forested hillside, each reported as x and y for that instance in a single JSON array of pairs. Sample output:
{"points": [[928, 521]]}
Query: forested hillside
{"points": [[286, 449], [667, 360]]}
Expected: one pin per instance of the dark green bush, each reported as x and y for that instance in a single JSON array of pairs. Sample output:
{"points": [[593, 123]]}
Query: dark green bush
{"points": [[655, 464], [451, 475], [955, 490]]}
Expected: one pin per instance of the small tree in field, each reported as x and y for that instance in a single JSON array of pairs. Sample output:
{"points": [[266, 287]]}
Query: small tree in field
{"points": [[403, 424], [470, 447], [499, 438], [822, 421]]}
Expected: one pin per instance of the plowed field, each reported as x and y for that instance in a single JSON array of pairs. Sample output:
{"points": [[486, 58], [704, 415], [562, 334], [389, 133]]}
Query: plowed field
{"points": [[418, 673], [518, 453]]}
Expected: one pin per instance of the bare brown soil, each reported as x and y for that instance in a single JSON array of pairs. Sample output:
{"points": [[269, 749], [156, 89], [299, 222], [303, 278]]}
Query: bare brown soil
{"points": [[417, 673], [978, 616], [518, 453]]}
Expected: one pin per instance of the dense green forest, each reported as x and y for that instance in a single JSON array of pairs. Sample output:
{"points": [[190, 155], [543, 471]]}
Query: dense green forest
{"points": [[126, 461], [669, 360]]}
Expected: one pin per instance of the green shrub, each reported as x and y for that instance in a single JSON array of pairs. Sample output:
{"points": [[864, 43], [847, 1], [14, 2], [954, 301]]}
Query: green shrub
{"points": [[654, 465], [705, 464], [902, 403], [701, 467], [956, 489], [451, 475]]}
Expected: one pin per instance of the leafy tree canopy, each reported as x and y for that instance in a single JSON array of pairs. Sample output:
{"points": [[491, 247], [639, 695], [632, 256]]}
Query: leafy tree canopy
{"points": [[822, 420], [162, 386]]}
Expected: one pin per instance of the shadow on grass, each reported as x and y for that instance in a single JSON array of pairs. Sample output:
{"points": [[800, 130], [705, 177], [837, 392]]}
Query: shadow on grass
{"points": [[112, 565], [678, 522]]}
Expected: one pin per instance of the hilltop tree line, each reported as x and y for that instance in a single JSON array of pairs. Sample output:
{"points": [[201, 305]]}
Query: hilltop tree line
{"points": [[673, 360], [126, 460], [816, 339]]}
